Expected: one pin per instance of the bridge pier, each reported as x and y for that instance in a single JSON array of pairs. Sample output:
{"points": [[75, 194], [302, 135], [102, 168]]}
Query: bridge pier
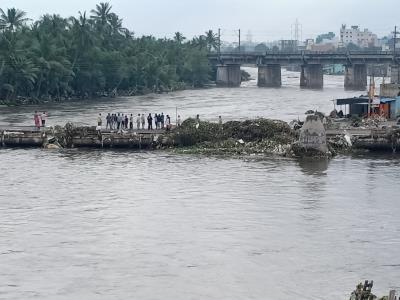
{"points": [[269, 75], [356, 77], [229, 75], [395, 74], [312, 76]]}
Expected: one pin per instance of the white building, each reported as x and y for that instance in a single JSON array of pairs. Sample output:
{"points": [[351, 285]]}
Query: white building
{"points": [[362, 38], [309, 43]]}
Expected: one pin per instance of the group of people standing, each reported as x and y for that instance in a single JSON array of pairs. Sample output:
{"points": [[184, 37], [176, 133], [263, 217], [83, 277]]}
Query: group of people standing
{"points": [[122, 121], [160, 121], [40, 119], [117, 121]]}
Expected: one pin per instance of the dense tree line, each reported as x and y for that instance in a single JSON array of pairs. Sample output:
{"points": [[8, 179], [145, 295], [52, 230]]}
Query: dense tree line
{"points": [[91, 55]]}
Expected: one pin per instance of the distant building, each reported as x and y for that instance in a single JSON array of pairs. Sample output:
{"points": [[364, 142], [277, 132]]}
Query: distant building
{"points": [[354, 35], [288, 45], [309, 43], [383, 44]]}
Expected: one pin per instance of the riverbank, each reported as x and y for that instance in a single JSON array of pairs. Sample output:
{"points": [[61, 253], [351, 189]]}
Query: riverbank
{"points": [[21, 101], [133, 92]]}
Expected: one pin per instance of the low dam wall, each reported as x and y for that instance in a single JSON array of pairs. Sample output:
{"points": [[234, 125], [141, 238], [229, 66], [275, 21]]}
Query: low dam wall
{"points": [[78, 137], [238, 137]]}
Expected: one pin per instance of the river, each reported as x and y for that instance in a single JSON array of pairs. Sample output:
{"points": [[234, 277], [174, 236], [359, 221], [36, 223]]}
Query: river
{"points": [[91, 224], [286, 103]]}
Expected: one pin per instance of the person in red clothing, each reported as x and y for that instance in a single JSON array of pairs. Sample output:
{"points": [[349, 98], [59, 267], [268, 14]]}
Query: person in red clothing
{"points": [[36, 119]]}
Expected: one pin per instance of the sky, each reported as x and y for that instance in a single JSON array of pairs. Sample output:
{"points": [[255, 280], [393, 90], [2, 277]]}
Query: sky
{"points": [[267, 20]]}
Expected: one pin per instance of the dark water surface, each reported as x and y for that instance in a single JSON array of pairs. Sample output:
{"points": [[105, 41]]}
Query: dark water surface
{"points": [[78, 224]]}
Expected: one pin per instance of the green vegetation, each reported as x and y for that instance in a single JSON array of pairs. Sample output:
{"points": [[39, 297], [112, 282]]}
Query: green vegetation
{"points": [[327, 36], [56, 58], [261, 48]]}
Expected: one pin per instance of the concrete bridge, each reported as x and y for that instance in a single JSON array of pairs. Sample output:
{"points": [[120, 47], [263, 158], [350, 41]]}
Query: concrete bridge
{"points": [[269, 66]]}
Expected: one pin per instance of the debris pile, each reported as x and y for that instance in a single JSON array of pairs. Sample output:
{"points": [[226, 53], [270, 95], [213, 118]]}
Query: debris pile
{"points": [[363, 291], [258, 130], [235, 137], [340, 143]]}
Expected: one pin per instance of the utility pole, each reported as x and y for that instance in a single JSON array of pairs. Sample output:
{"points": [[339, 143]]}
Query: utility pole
{"points": [[297, 30], [239, 40], [371, 94], [219, 42], [394, 54], [394, 41]]}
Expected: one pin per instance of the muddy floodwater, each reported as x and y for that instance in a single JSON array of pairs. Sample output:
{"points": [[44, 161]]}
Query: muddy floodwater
{"points": [[92, 224]]}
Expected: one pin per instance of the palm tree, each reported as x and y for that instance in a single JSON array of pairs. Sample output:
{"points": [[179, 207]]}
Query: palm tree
{"points": [[51, 61], [81, 32], [87, 55], [115, 24], [13, 19], [127, 33], [200, 42], [54, 24], [24, 74], [211, 40], [8, 89], [102, 13], [179, 38]]}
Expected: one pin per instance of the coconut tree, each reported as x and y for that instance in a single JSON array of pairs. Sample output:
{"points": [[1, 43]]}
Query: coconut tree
{"points": [[179, 38], [81, 34], [12, 19], [102, 13], [52, 24], [7, 90], [127, 33], [23, 74], [88, 55], [116, 24], [211, 40], [51, 61], [199, 42]]}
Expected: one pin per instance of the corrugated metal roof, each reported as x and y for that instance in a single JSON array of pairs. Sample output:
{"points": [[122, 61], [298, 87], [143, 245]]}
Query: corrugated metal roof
{"points": [[386, 100], [354, 100]]}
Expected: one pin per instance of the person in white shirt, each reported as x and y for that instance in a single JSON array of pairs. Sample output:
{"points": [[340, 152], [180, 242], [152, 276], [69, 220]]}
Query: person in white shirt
{"points": [[99, 121], [43, 118], [168, 123], [143, 119]]}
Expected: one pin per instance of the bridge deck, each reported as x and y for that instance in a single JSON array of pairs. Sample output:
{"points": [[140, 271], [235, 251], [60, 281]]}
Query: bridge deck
{"points": [[307, 57]]}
